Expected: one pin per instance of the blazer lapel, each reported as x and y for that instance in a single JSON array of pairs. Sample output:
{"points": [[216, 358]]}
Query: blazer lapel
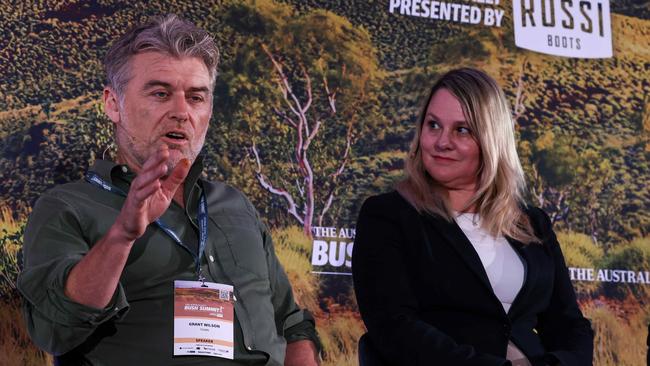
{"points": [[455, 237], [527, 261]]}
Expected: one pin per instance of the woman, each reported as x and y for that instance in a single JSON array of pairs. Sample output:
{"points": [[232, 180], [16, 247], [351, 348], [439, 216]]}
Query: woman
{"points": [[453, 268]]}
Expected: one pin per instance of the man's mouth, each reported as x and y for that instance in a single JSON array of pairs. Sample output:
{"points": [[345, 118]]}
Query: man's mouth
{"points": [[176, 136]]}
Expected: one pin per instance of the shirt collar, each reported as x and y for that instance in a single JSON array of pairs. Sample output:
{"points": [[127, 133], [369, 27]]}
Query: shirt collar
{"points": [[114, 173]]}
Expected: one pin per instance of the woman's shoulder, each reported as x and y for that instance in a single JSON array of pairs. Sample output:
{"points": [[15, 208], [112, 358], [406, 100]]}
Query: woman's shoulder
{"points": [[540, 221], [536, 214], [389, 200]]}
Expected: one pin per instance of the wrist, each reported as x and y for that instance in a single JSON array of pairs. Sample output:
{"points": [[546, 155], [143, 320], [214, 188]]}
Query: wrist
{"points": [[302, 352], [118, 235]]}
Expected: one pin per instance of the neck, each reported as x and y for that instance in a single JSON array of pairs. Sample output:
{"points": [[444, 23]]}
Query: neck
{"points": [[124, 160], [135, 167], [459, 198]]}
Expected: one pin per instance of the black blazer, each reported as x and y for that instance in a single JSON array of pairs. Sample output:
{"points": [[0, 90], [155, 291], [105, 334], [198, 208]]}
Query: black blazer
{"points": [[426, 300]]}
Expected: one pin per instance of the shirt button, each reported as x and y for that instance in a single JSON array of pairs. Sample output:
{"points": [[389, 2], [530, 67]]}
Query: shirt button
{"points": [[211, 259], [116, 309], [124, 169]]}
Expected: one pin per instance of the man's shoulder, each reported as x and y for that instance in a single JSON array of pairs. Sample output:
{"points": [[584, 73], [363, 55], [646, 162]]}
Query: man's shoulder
{"points": [[77, 201], [70, 192], [224, 198]]}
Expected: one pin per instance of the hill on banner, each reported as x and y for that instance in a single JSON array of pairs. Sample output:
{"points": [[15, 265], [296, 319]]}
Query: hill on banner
{"points": [[583, 128]]}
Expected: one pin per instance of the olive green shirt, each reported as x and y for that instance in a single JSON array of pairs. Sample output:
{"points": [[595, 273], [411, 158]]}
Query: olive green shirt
{"points": [[137, 327]]}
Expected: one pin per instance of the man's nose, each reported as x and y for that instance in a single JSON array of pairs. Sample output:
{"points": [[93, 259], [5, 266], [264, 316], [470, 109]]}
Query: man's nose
{"points": [[179, 109]]}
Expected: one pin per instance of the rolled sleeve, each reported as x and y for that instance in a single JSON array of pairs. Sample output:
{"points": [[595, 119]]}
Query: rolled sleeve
{"points": [[293, 323], [54, 244], [300, 326]]}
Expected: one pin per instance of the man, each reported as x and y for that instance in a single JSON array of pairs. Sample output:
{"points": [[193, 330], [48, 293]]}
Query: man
{"points": [[109, 259]]}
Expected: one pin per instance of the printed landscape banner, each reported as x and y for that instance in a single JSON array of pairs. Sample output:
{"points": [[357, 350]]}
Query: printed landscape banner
{"points": [[314, 108]]}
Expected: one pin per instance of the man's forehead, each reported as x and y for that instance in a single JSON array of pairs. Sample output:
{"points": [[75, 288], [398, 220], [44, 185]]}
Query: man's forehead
{"points": [[165, 68]]}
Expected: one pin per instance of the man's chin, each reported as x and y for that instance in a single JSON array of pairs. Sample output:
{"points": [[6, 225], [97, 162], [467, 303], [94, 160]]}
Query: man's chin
{"points": [[171, 165], [175, 157], [176, 154]]}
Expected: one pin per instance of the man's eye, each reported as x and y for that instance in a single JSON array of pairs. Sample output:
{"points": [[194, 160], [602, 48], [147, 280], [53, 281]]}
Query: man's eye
{"points": [[196, 98], [160, 94]]}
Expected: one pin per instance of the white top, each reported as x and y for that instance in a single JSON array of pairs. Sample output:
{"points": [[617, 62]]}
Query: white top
{"points": [[503, 266]]}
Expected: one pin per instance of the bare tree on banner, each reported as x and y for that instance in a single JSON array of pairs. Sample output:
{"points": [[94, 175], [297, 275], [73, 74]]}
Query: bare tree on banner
{"points": [[306, 84]]}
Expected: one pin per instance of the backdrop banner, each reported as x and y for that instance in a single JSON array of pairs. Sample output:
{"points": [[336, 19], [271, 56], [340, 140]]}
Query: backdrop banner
{"points": [[314, 108]]}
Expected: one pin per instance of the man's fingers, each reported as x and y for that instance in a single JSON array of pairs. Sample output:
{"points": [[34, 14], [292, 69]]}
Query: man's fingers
{"points": [[155, 177], [147, 177], [161, 155], [147, 182], [176, 177], [145, 192], [153, 169]]}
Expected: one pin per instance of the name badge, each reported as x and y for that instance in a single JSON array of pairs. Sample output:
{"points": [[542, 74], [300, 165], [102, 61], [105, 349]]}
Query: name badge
{"points": [[203, 319]]}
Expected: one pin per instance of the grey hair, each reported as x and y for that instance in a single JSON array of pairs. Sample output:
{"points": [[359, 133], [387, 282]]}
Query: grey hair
{"points": [[165, 34]]}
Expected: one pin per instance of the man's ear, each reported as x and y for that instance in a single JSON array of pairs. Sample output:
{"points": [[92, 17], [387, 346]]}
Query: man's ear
{"points": [[111, 104]]}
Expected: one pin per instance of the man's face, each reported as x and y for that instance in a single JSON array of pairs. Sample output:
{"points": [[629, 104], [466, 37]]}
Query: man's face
{"points": [[168, 101]]}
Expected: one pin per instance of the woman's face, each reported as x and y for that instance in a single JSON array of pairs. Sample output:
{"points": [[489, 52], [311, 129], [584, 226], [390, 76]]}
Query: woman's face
{"points": [[450, 152]]}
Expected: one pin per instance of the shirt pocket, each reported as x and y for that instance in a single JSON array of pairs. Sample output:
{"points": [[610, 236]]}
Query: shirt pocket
{"points": [[244, 242]]}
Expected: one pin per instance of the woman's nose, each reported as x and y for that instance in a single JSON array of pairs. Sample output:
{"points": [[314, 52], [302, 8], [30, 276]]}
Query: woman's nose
{"points": [[443, 140]]}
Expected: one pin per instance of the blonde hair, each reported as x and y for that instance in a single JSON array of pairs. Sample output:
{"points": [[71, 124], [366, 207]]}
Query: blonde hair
{"points": [[501, 184]]}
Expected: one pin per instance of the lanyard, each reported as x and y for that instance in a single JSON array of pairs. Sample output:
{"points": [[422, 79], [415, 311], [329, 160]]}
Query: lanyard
{"points": [[95, 179]]}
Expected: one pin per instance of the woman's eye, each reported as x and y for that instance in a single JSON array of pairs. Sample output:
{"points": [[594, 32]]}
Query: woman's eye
{"points": [[464, 131], [433, 125]]}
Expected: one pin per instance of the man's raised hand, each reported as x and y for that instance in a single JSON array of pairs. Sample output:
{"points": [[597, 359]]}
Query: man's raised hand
{"points": [[151, 193]]}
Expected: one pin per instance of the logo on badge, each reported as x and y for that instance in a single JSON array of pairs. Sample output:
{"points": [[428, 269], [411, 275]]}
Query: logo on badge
{"points": [[570, 28]]}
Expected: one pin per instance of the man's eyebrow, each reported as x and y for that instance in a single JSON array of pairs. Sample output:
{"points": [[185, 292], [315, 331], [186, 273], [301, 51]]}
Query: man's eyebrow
{"points": [[199, 89], [154, 83]]}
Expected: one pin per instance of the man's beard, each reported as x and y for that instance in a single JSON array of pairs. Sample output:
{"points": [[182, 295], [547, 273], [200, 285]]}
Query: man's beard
{"points": [[141, 152], [175, 159], [141, 149]]}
